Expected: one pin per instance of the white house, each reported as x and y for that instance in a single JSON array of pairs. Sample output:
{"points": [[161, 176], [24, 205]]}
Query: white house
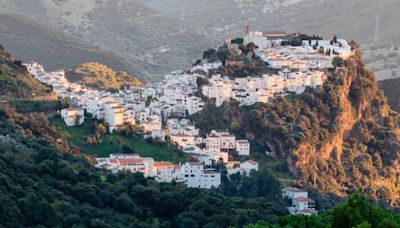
{"points": [[206, 67], [243, 147], [165, 171], [133, 163], [195, 176], [303, 206], [257, 38], [249, 165], [114, 116], [73, 116], [244, 168], [158, 134], [183, 140], [226, 140], [213, 142], [210, 158], [293, 192]]}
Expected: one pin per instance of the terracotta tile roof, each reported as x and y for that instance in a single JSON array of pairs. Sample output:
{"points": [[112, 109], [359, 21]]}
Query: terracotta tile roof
{"points": [[130, 161], [163, 165], [304, 199], [252, 162]]}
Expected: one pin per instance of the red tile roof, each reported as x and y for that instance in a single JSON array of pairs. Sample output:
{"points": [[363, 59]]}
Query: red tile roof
{"points": [[163, 165], [130, 161], [304, 199]]}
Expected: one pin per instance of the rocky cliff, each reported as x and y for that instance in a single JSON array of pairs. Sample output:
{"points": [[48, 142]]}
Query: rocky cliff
{"points": [[337, 138], [363, 152]]}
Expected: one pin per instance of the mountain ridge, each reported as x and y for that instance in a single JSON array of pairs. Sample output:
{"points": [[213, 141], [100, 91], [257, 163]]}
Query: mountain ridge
{"points": [[32, 40], [142, 36]]}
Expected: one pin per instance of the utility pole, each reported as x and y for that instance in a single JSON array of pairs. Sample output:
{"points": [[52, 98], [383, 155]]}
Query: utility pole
{"points": [[183, 18], [377, 30]]}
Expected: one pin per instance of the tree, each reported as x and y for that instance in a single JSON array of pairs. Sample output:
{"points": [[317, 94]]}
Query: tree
{"points": [[335, 39], [338, 62], [251, 46], [127, 149], [356, 211], [209, 54], [101, 130], [38, 210], [238, 41]]}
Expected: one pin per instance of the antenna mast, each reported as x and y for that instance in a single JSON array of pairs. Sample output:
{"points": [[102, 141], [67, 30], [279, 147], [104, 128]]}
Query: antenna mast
{"points": [[377, 30]]}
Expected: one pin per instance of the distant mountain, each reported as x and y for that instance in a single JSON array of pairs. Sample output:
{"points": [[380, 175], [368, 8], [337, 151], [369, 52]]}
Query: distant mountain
{"points": [[353, 19], [102, 77], [152, 37], [32, 40], [149, 41]]}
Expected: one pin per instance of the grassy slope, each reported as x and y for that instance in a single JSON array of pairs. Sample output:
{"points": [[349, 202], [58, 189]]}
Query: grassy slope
{"points": [[112, 143]]}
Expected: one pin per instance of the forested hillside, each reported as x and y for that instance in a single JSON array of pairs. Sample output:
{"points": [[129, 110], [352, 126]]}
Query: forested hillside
{"points": [[45, 182], [337, 138], [15, 81]]}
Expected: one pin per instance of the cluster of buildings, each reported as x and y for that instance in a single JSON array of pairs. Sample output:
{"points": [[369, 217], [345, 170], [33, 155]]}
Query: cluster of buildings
{"points": [[270, 40], [215, 148], [294, 68], [300, 203], [193, 174], [310, 54], [161, 109], [148, 107], [250, 90]]}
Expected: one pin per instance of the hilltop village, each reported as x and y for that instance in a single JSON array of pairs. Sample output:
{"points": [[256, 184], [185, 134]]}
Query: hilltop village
{"points": [[161, 109]]}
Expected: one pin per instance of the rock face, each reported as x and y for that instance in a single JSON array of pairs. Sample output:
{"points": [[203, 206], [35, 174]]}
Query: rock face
{"points": [[364, 151]]}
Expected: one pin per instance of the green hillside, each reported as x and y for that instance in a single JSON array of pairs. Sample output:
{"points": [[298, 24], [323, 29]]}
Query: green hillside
{"points": [[45, 182]]}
